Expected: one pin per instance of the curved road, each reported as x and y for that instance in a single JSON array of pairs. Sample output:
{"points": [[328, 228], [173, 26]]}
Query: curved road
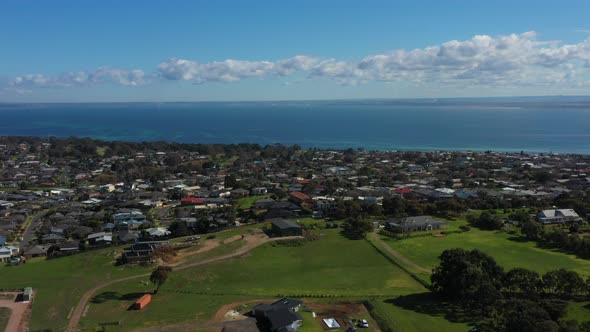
{"points": [[252, 242]]}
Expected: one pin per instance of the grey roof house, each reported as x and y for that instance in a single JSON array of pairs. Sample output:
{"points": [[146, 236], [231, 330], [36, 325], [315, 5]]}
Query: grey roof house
{"points": [[284, 227], [280, 316], [412, 224]]}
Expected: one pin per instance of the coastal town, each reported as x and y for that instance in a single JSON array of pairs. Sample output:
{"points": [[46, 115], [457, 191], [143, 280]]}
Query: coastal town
{"points": [[64, 197], [53, 205]]}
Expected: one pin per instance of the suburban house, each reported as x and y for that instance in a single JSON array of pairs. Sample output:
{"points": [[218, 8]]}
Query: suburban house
{"points": [[412, 224], [239, 192], [280, 316], [100, 238], [6, 253], [191, 201], [284, 227], [259, 191], [141, 252], [263, 203], [36, 251], [559, 216], [299, 197]]}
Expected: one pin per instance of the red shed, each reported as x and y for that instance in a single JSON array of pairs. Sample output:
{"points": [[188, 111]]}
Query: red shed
{"points": [[142, 302]]}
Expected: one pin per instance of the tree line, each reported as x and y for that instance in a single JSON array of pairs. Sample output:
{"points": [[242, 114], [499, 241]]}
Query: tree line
{"points": [[516, 300]]}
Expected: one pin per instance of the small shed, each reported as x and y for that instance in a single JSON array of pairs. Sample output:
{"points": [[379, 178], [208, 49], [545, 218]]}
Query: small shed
{"points": [[283, 227], [142, 302]]}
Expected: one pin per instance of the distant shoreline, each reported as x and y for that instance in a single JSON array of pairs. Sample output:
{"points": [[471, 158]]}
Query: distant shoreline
{"points": [[423, 150], [537, 126]]}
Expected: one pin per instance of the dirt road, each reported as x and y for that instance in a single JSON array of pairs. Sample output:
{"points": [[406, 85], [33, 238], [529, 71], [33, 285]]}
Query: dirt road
{"points": [[375, 237]]}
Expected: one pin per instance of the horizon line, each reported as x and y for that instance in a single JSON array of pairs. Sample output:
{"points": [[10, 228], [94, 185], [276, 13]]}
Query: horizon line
{"points": [[295, 100]]}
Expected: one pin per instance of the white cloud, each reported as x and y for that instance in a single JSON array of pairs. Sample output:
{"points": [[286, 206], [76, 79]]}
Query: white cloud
{"points": [[511, 60], [516, 58], [100, 75]]}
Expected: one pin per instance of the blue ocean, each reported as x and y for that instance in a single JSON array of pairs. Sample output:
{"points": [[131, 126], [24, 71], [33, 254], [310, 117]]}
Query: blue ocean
{"points": [[558, 124]]}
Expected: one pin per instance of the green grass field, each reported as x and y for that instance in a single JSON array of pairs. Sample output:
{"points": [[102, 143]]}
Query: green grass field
{"points": [[318, 268], [579, 311], [417, 313], [4, 317], [509, 250], [330, 266], [60, 283]]}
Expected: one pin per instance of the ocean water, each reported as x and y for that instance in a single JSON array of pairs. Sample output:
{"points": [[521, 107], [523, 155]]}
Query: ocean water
{"points": [[560, 125]]}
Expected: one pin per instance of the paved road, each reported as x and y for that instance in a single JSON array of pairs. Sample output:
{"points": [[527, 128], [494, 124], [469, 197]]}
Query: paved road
{"points": [[30, 231], [375, 237], [252, 242], [18, 311]]}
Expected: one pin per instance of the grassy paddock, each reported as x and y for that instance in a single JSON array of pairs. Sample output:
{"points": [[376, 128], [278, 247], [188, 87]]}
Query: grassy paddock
{"points": [[59, 283], [4, 317], [416, 313], [509, 250]]}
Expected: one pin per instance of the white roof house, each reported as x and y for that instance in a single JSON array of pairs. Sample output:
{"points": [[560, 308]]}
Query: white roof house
{"points": [[557, 216]]}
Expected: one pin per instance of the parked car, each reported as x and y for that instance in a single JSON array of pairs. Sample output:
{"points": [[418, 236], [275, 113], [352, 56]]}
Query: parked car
{"points": [[363, 323]]}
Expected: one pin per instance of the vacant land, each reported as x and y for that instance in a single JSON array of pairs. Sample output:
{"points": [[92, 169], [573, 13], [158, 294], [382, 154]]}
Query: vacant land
{"points": [[331, 269], [509, 250], [4, 317], [59, 283], [316, 269]]}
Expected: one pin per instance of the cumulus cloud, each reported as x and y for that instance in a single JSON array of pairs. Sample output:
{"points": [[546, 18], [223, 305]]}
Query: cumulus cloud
{"points": [[512, 59], [119, 76], [232, 70], [482, 59], [515, 59]]}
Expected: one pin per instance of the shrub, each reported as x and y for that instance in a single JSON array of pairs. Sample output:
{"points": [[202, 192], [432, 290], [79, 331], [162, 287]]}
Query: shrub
{"points": [[465, 228]]}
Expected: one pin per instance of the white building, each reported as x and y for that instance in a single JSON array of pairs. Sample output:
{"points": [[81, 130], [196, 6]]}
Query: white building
{"points": [[559, 216]]}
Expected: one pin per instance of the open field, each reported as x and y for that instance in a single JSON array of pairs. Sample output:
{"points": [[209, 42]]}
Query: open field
{"points": [[579, 311], [59, 283], [4, 317], [330, 269], [417, 313], [509, 250], [317, 268]]}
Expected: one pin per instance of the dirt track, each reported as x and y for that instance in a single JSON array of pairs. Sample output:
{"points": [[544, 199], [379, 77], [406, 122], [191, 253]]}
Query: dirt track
{"points": [[16, 317], [252, 241], [397, 255]]}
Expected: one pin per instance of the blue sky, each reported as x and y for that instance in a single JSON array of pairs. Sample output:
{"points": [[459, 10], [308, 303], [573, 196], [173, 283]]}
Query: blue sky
{"points": [[179, 50]]}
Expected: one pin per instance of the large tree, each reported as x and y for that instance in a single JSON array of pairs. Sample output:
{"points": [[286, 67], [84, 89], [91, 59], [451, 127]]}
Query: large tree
{"points": [[357, 228], [159, 276], [523, 281], [466, 276]]}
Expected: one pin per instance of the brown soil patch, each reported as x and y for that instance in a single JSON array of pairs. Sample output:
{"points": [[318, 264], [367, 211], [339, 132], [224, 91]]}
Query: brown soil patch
{"points": [[233, 238], [204, 246], [18, 320], [220, 315], [342, 312]]}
